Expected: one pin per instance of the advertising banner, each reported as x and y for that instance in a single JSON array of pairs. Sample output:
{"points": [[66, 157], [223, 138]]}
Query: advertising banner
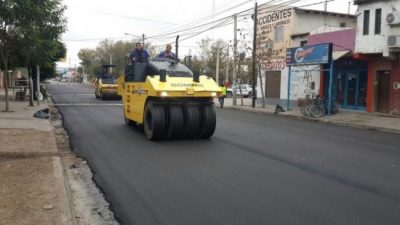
{"points": [[309, 55]]}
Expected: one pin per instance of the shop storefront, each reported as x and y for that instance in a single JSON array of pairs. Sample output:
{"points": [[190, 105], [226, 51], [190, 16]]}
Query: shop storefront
{"points": [[350, 79]]}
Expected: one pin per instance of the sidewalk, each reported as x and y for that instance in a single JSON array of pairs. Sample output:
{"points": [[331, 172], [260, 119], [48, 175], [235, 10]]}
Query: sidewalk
{"points": [[374, 121], [32, 188], [41, 179]]}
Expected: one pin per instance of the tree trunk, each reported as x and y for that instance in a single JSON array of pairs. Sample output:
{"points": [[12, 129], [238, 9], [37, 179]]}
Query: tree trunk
{"points": [[5, 61], [261, 86], [30, 86]]}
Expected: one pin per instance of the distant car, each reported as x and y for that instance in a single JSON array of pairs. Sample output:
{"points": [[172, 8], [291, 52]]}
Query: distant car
{"points": [[244, 89]]}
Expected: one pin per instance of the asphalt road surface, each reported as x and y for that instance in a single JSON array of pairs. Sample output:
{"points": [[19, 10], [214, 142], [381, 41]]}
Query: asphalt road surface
{"points": [[256, 169]]}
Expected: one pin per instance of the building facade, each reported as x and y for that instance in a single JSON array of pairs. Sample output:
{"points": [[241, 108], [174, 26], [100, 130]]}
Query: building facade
{"points": [[349, 84], [286, 28], [378, 43]]}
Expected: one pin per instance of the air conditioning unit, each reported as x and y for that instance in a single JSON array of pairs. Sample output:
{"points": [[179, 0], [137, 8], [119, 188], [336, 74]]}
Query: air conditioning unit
{"points": [[393, 41], [393, 18]]}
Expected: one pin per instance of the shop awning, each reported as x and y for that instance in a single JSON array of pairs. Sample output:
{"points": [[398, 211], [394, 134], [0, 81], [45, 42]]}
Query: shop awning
{"points": [[339, 54]]}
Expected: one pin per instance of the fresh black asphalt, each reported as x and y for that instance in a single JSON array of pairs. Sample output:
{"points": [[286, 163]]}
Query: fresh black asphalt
{"points": [[256, 169]]}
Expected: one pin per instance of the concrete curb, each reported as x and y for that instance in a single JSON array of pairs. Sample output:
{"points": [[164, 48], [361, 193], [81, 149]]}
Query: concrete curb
{"points": [[67, 191], [67, 187], [343, 124]]}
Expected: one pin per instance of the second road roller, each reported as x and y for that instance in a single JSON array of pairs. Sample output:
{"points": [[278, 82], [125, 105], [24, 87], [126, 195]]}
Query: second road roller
{"points": [[106, 83], [168, 100]]}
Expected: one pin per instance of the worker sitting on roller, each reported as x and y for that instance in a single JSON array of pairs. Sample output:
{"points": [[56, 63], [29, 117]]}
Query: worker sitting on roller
{"points": [[139, 54], [167, 53]]}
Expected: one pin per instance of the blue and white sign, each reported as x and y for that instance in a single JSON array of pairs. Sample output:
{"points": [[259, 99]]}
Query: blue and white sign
{"points": [[308, 55]]}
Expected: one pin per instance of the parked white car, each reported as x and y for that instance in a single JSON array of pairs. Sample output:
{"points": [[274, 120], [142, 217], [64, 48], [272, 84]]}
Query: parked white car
{"points": [[245, 90]]}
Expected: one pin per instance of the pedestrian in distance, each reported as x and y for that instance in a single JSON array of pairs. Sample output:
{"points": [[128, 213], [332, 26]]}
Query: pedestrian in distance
{"points": [[221, 99], [139, 54], [167, 53]]}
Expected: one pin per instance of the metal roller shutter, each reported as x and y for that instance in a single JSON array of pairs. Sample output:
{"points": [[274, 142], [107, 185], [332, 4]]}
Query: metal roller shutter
{"points": [[273, 84]]}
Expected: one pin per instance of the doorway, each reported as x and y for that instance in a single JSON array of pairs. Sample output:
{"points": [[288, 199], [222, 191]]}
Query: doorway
{"points": [[383, 87], [351, 90]]}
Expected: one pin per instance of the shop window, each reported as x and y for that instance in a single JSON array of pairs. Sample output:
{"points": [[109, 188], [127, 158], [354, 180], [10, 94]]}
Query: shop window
{"points": [[378, 21], [278, 34], [366, 22]]}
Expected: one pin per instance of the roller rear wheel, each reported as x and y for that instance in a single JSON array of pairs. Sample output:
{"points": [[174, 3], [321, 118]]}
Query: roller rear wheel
{"points": [[209, 121], [154, 122], [192, 121], [175, 123]]}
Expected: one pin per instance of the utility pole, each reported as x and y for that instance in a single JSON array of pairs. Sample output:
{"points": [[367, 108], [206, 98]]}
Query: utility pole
{"points": [[143, 40], [227, 65], [190, 60], [30, 86], [348, 10], [217, 68], [325, 9], [238, 85], [38, 93], [177, 46], [234, 59], [253, 92], [111, 63]]}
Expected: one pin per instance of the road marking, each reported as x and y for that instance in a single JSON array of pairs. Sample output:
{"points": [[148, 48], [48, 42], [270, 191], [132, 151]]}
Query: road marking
{"points": [[88, 104]]}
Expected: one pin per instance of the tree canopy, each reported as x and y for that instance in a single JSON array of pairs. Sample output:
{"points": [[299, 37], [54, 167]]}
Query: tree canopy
{"points": [[92, 59], [30, 33]]}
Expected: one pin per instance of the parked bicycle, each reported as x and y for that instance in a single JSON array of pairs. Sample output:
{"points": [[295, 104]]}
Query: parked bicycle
{"points": [[317, 106]]}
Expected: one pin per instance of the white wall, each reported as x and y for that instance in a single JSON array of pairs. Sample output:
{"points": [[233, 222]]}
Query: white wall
{"points": [[375, 43], [309, 21], [299, 86], [327, 29], [301, 22]]}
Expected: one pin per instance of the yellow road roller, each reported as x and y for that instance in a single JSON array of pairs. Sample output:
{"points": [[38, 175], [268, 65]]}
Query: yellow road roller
{"points": [[106, 86], [168, 100]]}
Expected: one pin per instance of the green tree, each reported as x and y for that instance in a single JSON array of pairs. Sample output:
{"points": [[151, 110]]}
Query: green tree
{"points": [[209, 50], [9, 35], [30, 31], [92, 59]]}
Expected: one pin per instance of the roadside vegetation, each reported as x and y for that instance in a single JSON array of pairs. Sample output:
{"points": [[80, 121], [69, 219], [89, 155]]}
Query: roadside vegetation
{"points": [[30, 36]]}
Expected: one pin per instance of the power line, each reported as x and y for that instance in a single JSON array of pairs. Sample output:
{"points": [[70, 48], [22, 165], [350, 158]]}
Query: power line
{"points": [[202, 19], [135, 18], [208, 23], [204, 24], [94, 39], [213, 27], [294, 1], [196, 30]]}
